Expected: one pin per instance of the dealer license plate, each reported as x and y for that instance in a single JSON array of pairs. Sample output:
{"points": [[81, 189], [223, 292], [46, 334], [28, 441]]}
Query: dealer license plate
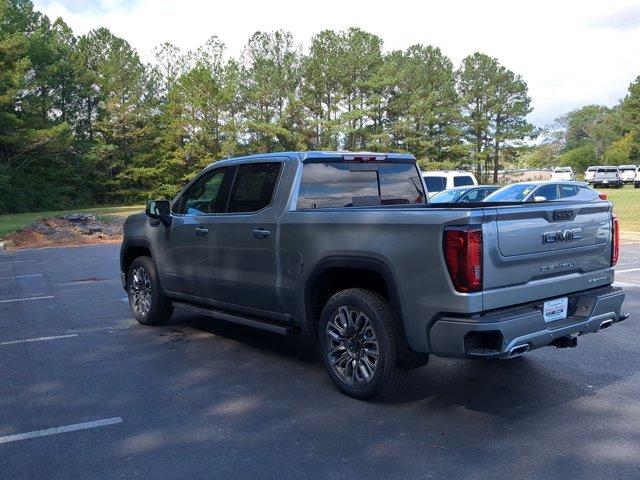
{"points": [[553, 310]]}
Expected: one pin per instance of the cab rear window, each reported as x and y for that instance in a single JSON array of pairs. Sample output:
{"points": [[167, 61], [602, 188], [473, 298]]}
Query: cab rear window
{"points": [[338, 185]]}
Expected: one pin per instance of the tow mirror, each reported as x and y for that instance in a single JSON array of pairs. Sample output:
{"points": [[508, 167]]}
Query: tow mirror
{"points": [[159, 210]]}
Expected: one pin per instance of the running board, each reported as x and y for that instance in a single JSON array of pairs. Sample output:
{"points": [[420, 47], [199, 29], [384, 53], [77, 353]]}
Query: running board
{"points": [[240, 320]]}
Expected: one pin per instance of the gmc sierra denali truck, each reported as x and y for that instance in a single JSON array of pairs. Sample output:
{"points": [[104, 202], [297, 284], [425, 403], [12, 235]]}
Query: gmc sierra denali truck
{"points": [[345, 247]]}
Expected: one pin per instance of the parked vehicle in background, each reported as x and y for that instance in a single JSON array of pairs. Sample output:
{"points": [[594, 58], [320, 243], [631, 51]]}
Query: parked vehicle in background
{"points": [[544, 191], [636, 183], [607, 177], [563, 173], [627, 173], [590, 173], [470, 194], [332, 244], [439, 180]]}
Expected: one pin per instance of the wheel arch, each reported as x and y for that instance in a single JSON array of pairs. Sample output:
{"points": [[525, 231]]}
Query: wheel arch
{"points": [[336, 273], [131, 250]]}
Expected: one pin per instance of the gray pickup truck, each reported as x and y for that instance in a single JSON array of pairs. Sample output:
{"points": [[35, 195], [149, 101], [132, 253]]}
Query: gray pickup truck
{"points": [[345, 248]]}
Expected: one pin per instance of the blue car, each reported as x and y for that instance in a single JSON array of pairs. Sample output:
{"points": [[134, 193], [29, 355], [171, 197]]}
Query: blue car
{"points": [[466, 194]]}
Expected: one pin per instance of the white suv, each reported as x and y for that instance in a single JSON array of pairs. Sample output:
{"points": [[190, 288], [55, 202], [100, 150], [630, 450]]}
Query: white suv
{"points": [[439, 180], [563, 173]]}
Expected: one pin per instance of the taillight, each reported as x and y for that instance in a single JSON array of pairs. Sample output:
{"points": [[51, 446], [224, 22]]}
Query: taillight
{"points": [[463, 255], [603, 196], [615, 238]]}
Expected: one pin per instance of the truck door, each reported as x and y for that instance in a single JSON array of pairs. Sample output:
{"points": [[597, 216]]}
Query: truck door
{"points": [[244, 242], [184, 247]]}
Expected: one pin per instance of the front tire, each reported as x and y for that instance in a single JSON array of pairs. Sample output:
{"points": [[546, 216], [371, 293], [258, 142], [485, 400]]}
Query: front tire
{"points": [[147, 303], [359, 344]]}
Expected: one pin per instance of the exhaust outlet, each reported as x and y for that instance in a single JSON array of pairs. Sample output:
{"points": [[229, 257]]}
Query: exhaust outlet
{"points": [[519, 350], [605, 324]]}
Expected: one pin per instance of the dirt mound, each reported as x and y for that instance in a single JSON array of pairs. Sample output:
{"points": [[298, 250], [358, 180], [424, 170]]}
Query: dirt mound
{"points": [[75, 229]]}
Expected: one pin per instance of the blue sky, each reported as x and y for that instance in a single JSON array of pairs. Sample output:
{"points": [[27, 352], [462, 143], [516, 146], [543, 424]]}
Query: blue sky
{"points": [[570, 53]]}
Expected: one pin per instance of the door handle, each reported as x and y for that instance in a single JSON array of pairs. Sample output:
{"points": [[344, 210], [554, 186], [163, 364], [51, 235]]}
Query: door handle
{"points": [[261, 233], [201, 231]]}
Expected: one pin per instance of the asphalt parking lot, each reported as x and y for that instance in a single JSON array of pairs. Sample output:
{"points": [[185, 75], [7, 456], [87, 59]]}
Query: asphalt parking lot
{"points": [[86, 392]]}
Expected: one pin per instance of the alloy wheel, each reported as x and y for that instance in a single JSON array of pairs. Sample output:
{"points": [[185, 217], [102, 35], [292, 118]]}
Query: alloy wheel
{"points": [[140, 289], [352, 346]]}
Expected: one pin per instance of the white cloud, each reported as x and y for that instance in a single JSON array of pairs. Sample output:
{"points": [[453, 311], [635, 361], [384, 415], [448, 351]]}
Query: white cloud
{"points": [[571, 53]]}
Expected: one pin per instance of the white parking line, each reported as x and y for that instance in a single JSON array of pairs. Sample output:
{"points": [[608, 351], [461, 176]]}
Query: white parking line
{"points": [[23, 276], [16, 261], [628, 270], [54, 431], [626, 284], [38, 339], [26, 299]]}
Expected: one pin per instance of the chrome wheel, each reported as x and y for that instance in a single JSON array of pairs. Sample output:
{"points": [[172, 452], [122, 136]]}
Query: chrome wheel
{"points": [[352, 346], [140, 290]]}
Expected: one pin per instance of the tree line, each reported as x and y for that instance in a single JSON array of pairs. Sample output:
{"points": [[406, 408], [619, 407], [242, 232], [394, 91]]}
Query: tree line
{"points": [[592, 135], [84, 121]]}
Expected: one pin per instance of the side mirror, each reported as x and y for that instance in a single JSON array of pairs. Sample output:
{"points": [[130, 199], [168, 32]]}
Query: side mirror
{"points": [[539, 198], [158, 209]]}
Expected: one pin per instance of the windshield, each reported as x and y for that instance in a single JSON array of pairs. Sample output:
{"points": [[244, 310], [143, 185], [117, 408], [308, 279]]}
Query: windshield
{"points": [[627, 168], [511, 193], [563, 170], [608, 170], [448, 196], [435, 184]]}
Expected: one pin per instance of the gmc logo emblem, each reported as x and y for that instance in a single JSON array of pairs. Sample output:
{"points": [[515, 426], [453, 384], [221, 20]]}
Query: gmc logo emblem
{"points": [[560, 236]]}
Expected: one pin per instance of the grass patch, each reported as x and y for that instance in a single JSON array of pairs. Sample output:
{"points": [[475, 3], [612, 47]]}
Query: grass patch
{"points": [[14, 221], [626, 204]]}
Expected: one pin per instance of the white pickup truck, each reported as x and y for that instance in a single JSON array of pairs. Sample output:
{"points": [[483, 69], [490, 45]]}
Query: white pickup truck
{"points": [[627, 173], [563, 173]]}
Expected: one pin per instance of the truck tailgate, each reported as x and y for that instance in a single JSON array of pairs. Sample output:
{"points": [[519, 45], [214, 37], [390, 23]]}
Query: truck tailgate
{"points": [[544, 250]]}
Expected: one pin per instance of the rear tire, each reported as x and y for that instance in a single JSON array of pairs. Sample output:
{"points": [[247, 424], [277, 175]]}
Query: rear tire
{"points": [[359, 344], [147, 303]]}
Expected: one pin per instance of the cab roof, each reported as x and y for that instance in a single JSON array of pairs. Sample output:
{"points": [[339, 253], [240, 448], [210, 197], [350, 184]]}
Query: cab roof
{"points": [[323, 155]]}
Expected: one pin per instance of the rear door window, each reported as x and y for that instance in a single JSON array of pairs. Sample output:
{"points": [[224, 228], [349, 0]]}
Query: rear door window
{"points": [[334, 185], [462, 180], [549, 192], [568, 191], [253, 186], [435, 184]]}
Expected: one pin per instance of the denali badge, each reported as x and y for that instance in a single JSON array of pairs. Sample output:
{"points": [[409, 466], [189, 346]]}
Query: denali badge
{"points": [[557, 266], [562, 235]]}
